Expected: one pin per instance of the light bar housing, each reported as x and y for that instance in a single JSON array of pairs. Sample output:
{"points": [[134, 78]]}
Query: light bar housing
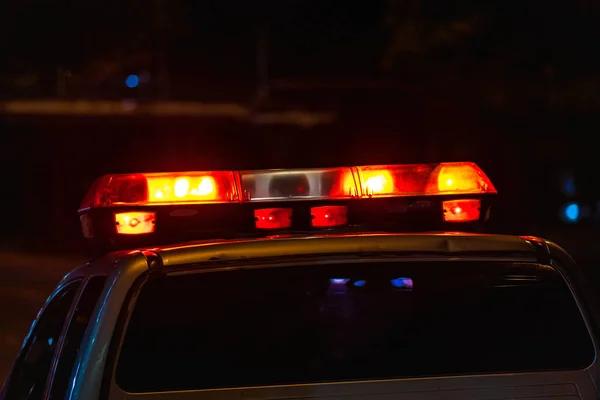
{"points": [[221, 203], [287, 185]]}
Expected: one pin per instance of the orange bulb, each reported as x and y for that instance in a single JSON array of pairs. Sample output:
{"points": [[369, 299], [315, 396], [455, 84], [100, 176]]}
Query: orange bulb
{"points": [[463, 178], [377, 182], [182, 186], [181, 189]]}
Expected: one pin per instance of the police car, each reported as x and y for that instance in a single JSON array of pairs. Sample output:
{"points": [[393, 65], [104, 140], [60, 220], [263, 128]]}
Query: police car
{"points": [[341, 283]]}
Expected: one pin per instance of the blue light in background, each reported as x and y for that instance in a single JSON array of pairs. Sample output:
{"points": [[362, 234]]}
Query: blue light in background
{"points": [[406, 283], [360, 283], [132, 81], [571, 212], [339, 281], [338, 285]]}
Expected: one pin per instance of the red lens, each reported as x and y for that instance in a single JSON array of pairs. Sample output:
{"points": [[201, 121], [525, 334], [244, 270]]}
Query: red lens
{"points": [[273, 218], [461, 210], [329, 216]]}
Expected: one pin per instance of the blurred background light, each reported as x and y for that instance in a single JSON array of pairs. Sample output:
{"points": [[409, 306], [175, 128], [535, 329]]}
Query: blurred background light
{"points": [[571, 212], [132, 81]]}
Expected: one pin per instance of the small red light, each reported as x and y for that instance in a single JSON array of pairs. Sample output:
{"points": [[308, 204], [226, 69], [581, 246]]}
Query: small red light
{"points": [[461, 210], [329, 216], [135, 223], [273, 218]]}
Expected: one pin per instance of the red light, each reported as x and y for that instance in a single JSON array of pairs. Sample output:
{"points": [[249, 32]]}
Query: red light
{"points": [[135, 223], [273, 218], [461, 210], [329, 216], [164, 188]]}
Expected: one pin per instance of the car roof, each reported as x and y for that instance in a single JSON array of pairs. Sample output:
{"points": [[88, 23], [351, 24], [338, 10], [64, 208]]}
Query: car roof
{"points": [[282, 247], [444, 243]]}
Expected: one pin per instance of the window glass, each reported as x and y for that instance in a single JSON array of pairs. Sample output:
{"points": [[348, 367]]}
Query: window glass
{"points": [[31, 370], [325, 323]]}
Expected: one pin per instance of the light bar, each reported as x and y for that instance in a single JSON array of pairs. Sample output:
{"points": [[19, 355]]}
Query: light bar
{"points": [[163, 206], [288, 185]]}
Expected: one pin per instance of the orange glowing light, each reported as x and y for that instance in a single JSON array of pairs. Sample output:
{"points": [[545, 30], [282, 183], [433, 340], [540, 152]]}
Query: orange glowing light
{"points": [[187, 188], [348, 185], [460, 178], [135, 223], [377, 182]]}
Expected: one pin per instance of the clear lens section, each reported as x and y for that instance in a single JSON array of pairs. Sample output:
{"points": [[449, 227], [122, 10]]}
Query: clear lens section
{"points": [[298, 184], [116, 189]]}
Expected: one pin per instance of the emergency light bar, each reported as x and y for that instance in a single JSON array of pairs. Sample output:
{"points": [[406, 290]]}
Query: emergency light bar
{"points": [[284, 199]]}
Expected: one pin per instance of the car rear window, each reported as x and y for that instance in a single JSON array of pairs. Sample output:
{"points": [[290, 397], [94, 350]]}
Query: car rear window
{"points": [[344, 322]]}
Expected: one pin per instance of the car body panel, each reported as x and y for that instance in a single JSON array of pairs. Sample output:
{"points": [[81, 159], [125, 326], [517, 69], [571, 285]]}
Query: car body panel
{"points": [[91, 376], [552, 385], [89, 366], [442, 243]]}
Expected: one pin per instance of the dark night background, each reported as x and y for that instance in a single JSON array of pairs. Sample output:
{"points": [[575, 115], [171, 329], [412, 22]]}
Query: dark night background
{"points": [[511, 85]]}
